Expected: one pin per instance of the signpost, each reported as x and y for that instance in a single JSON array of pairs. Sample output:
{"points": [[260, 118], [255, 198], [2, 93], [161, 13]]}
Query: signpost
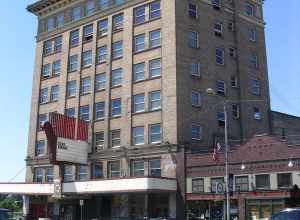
{"points": [[81, 203]]}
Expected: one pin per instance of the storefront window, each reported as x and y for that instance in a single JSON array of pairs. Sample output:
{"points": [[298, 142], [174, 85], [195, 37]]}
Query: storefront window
{"points": [[262, 209]]}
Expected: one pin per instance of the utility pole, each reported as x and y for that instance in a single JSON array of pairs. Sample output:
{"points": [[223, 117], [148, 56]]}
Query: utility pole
{"points": [[226, 165]]}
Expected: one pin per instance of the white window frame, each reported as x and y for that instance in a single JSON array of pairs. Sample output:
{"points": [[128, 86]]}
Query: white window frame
{"points": [[151, 135], [114, 108], [154, 39], [100, 111], [115, 139], [152, 100], [137, 105], [136, 136], [139, 46], [100, 81]]}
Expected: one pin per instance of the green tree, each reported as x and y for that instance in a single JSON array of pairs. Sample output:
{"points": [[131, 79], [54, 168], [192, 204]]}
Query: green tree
{"points": [[12, 203]]}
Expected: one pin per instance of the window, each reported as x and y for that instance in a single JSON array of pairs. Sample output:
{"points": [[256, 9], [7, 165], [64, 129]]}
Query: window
{"points": [[58, 44], [195, 69], [71, 88], [139, 43], [101, 54], [40, 148], [100, 81], [155, 38], [44, 95], [234, 81], [193, 39], [235, 111], [39, 175], [257, 113], [73, 63], [99, 110], [47, 47], [50, 24], [117, 49], [137, 168], [70, 112], [262, 181], [220, 56], [88, 32], [155, 168], [139, 72], [85, 85], [284, 180], [89, 8], [232, 52], [196, 132], [242, 183], [84, 112], [139, 15], [155, 100], [255, 87], [221, 118], [82, 172], [54, 93], [155, 68], [76, 13], [49, 175], [87, 58], [68, 173], [74, 38], [115, 137], [103, 4], [221, 88], [118, 22], [218, 29], [253, 61], [42, 119], [249, 9], [216, 4], [56, 67], [197, 185], [231, 26], [139, 103], [193, 11], [99, 140], [103, 27], [155, 133], [119, 2], [216, 181], [116, 77], [46, 70], [252, 34], [114, 168], [138, 135], [116, 108], [196, 99], [98, 171], [155, 10]]}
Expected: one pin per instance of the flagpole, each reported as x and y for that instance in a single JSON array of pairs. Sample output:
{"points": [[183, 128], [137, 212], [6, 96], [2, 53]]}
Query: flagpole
{"points": [[226, 164]]}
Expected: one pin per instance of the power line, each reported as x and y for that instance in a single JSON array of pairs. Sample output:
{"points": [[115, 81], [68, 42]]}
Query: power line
{"points": [[18, 173]]}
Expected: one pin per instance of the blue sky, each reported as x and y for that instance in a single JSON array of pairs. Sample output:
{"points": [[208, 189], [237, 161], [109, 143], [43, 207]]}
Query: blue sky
{"points": [[17, 44]]}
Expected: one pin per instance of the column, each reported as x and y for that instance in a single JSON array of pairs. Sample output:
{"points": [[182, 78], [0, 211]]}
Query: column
{"points": [[26, 207], [146, 214], [172, 206]]}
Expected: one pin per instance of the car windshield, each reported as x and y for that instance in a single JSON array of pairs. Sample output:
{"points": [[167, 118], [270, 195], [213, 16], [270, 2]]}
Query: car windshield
{"points": [[292, 215], [3, 215]]}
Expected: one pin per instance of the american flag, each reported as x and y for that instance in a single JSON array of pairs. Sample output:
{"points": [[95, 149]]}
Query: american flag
{"points": [[65, 127], [217, 150]]}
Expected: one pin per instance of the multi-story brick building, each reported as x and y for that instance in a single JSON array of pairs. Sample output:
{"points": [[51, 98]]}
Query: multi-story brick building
{"points": [[138, 71]]}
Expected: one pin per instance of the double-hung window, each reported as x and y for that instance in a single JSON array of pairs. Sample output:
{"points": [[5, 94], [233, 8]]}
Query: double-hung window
{"points": [[218, 29], [49, 175], [71, 88], [262, 181], [99, 110], [196, 99], [193, 39], [216, 4], [117, 49], [137, 168], [253, 61], [197, 185], [155, 168], [103, 27], [221, 118], [85, 85], [140, 15], [58, 44], [195, 69], [138, 135], [220, 56], [56, 67], [155, 38], [139, 43], [139, 103], [116, 108], [82, 172], [98, 170], [46, 70], [101, 54], [155, 133], [89, 7], [84, 112], [42, 120], [255, 87], [74, 38], [118, 21], [241, 183], [249, 9], [76, 13], [40, 148], [68, 173], [155, 68], [115, 137], [196, 132], [154, 100], [252, 34], [70, 112], [100, 81], [73, 63], [221, 88], [139, 72], [54, 93], [114, 168], [154, 10], [87, 58], [60, 19], [103, 4], [44, 95], [47, 47], [116, 77], [39, 175], [193, 11], [88, 32], [235, 111], [50, 24], [99, 140]]}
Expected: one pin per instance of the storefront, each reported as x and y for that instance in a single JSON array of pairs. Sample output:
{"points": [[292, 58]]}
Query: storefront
{"points": [[263, 209]]}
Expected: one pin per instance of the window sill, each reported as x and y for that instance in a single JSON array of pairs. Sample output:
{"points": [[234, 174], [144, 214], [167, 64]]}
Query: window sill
{"points": [[148, 79], [87, 41], [100, 90], [148, 21], [72, 71], [99, 120], [87, 66], [52, 53], [116, 117], [116, 86], [99, 63], [73, 46], [116, 58], [71, 97], [117, 30], [146, 50], [100, 36], [84, 94], [50, 77]]}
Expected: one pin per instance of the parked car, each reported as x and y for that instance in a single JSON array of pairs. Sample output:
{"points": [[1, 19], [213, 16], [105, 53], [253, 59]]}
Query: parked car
{"points": [[4, 214], [287, 214]]}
